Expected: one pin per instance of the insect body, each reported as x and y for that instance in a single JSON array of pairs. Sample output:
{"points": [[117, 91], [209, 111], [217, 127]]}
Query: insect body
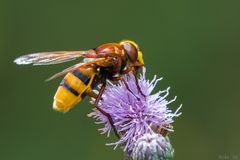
{"points": [[106, 62], [74, 87]]}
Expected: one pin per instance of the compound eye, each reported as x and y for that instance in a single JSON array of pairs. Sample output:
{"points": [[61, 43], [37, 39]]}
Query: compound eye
{"points": [[131, 51]]}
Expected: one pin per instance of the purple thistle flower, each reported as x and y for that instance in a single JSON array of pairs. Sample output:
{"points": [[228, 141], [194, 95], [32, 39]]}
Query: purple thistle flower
{"points": [[134, 114]]}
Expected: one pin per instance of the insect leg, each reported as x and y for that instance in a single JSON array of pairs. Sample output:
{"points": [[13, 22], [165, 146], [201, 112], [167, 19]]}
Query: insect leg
{"points": [[134, 70], [92, 94], [99, 96], [110, 120], [138, 87], [125, 83], [118, 78]]}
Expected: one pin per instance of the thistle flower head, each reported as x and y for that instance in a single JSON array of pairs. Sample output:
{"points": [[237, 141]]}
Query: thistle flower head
{"points": [[134, 114], [152, 147]]}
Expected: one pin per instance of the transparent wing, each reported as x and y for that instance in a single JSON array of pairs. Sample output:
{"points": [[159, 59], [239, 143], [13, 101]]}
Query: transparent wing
{"points": [[48, 58], [72, 68], [65, 71]]}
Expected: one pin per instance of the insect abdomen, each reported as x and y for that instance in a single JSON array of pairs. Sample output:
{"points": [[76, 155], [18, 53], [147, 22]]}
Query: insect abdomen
{"points": [[73, 88]]}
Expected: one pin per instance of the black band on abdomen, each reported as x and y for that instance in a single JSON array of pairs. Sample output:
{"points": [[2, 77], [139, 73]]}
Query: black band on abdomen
{"points": [[81, 76], [70, 89]]}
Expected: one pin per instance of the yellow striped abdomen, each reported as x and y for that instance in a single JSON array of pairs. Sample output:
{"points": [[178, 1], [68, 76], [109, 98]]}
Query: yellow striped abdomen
{"points": [[73, 88]]}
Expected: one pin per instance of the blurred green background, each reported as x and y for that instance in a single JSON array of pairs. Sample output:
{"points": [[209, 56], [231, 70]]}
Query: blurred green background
{"points": [[194, 45]]}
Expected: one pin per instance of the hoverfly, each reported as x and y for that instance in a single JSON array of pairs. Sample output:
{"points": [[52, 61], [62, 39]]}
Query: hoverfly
{"points": [[106, 62]]}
